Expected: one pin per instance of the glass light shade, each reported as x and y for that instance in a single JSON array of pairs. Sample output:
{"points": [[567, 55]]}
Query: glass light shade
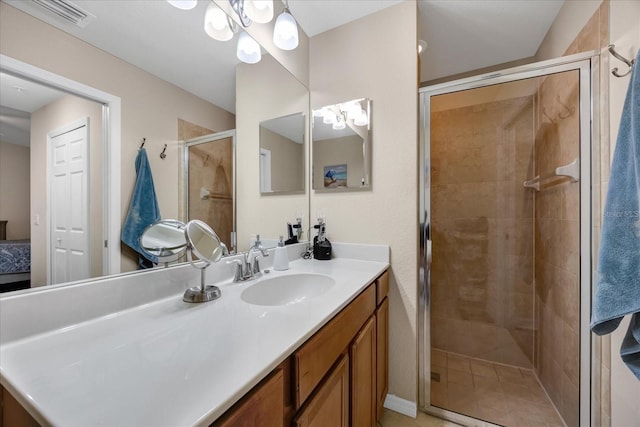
{"points": [[183, 4], [285, 32], [353, 108], [216, 24], [339, 124], [361, 119], [329, 118], [260, 11], [320, 112], [248, 49]]}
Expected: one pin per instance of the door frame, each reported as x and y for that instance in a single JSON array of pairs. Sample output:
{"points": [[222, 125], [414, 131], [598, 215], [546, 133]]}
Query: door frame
{"points": [[184, 187], [587, 64], [111, 137]]}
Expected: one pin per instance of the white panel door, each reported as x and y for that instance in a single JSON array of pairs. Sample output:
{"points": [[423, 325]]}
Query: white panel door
{"points": [[69, 205]]}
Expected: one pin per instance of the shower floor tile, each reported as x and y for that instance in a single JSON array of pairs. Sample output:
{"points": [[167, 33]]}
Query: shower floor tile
{"points": [[500, 394]]}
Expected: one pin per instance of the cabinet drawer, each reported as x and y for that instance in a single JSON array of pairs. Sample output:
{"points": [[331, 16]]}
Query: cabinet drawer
{"points": [[382, 287], [314, 359]]}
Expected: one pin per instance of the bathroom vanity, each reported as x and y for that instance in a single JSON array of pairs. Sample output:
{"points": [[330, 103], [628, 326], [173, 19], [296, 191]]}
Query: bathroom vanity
{"points": [[131, 352]]}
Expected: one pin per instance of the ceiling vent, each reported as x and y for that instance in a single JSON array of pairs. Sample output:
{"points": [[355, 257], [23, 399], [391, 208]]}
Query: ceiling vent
{"points": [[62, 9]]}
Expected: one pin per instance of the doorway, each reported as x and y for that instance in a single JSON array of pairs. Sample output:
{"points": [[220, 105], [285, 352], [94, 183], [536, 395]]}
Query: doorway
{"points": [[505, 246]]}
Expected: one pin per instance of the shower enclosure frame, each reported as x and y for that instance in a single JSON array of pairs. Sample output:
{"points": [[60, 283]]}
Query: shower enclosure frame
{"points": [[587, 64]]}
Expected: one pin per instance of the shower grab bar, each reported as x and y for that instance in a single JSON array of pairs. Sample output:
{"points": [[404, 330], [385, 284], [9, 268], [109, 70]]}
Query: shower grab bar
{"points": [[571, 170]]}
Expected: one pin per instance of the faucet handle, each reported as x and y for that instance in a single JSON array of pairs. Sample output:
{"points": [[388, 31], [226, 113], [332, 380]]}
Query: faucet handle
{"points": [[255, 267], [238, 276]]}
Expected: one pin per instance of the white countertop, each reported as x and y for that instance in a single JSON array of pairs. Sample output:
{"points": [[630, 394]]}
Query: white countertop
{"points": [[167, 362]]}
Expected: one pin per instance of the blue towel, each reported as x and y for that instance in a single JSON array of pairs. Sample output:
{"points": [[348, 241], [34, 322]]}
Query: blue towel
{"points": [[143, 210], [618, 280]]}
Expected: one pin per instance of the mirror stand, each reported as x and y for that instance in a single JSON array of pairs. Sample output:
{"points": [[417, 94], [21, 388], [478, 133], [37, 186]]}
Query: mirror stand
{"points": [[203, 293]]}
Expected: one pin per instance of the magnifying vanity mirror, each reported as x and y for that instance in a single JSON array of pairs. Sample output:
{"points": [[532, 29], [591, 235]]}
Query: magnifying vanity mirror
{"points": [[164, 240], [282, 151], [205, 244], [341, 146]]}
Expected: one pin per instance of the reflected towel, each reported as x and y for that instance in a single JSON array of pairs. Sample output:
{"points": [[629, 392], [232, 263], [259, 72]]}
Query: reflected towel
{"points": [[143, 210], [618, 280]]}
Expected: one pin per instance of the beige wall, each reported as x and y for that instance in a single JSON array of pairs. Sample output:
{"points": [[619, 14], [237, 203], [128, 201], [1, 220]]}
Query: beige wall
{"points": [[355, 61], [263, 91], [49, 118], [150, 106], [572, 17], [625, 34], [287, 161], [14, 188]]}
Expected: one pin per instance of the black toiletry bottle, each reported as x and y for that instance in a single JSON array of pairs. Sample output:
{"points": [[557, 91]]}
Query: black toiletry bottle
{"points": [[321, 245]]}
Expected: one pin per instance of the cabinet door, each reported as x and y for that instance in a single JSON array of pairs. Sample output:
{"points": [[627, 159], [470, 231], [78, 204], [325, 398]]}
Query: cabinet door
{"points": [[329, 406], [382, 377], [262, 406], [363, 376]]}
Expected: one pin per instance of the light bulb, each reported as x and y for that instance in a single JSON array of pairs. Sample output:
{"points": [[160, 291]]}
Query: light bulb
{"points": [[285, 32], [183, 4], [361, 119], [216, 24], [339, 124], [260, 11], [329, 118], [422, 46], [248, 49], [319, 112]]}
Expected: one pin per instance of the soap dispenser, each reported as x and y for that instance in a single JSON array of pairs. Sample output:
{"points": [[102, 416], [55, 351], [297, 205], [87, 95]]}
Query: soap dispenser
{"points": [[321, 245], [281, 257]]}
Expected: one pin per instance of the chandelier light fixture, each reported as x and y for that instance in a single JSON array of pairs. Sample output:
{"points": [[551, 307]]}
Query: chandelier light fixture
{"points": [[219, 26], [340, 115]]}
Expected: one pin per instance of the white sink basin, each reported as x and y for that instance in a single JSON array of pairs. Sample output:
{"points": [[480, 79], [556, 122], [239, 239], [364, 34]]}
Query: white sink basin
{"points": [[287, 290]]}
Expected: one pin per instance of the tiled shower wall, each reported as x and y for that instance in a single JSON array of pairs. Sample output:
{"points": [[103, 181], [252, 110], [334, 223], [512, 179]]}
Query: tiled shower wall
{"points": [[481, 279], [557, 243]]}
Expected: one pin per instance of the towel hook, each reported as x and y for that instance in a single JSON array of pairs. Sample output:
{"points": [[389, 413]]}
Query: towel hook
{"points": [[162, 155], [143, 141], [612, 50]]}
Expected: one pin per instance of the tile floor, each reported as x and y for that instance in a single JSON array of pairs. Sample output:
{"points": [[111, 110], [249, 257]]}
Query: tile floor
{"points": [[500, 394], [394, 419]]}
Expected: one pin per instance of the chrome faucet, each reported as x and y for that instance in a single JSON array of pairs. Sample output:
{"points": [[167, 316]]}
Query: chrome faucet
{"points": [[253, 259], [249, 268]]}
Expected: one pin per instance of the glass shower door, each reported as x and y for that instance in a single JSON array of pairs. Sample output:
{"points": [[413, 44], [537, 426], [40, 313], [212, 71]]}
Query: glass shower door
{"points": [[503, 198]]}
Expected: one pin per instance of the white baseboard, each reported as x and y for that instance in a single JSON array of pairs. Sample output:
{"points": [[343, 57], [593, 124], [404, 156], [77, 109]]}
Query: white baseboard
{"points": [[402, 406]]}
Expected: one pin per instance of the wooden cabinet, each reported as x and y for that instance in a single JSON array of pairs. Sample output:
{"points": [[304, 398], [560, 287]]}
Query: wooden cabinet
{"points": [[363, 376], [382, 342], [329, 405], [264, 405]]}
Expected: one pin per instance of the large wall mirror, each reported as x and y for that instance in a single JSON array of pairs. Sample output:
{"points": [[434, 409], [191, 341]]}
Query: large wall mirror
{"points": [[341, 135], [153, 109]]}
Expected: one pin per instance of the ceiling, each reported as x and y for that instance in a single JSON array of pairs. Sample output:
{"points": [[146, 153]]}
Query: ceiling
{"points": [[462, 35]]}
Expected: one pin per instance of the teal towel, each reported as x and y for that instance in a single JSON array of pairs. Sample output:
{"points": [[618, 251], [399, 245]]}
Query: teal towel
{"points": [[143, 210], [618, 280]]}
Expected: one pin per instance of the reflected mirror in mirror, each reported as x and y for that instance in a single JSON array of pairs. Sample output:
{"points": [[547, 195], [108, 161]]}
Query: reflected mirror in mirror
{"points": [[203, 241], [341, 144], [282, 155], [164, 240]]}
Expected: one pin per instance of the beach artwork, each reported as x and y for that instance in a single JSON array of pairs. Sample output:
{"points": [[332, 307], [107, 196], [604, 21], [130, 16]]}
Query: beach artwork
{"points": [[335, 176]]}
